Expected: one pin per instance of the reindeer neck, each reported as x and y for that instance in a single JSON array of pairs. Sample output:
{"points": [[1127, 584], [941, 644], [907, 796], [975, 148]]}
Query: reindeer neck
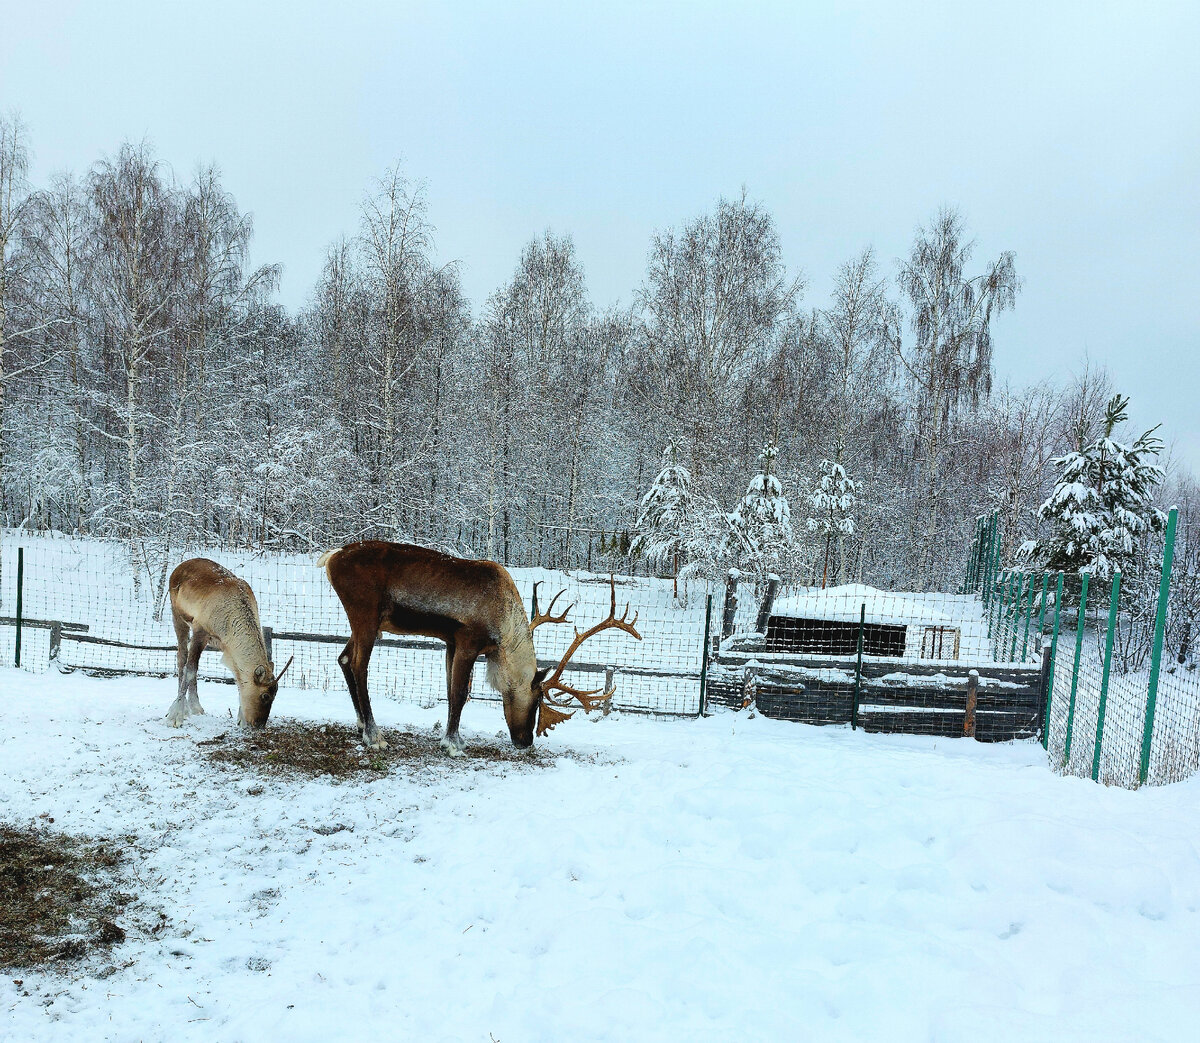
{"points": [[243, 644]]}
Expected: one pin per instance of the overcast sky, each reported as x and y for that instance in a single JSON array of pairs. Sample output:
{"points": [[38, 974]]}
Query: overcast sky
{"points": [[1068, 133]]}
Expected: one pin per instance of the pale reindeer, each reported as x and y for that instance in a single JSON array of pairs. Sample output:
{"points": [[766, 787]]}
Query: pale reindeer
{"points": [[210, 606], [473, 606]]}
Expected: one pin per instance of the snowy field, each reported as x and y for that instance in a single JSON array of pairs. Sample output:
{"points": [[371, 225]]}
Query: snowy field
{"points": [[717, 879]]}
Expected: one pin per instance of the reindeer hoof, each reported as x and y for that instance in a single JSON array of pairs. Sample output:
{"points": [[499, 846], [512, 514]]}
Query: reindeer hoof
{"points": [[375, 741], [452, 746], [177, 714]]}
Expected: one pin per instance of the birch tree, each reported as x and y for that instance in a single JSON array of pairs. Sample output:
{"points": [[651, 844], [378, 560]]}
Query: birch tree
{"points": [[715, 296], [14, 188], [56, 240], [137, 262], [394, 245], [949, 362]]}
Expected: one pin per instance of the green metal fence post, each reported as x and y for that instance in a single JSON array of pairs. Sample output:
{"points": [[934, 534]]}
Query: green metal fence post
{"points": [[971, 560], [704, 655], [987, 570], [1045, 598], [1053, 663], [977, 555], [996, 542], [992, 612], [1075, 672], [1160, 623], [982, 577], [1028, 617], [1108, 650], [1016, 616], [990, 605], [20, 604], [862, 624], [981, 530], [994, 552], [1001, 609], [1005, 605]]}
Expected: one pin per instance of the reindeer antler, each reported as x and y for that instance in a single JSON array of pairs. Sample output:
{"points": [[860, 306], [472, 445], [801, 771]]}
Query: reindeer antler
{"points": [[551, 712], [275, 679], [548, 616]]}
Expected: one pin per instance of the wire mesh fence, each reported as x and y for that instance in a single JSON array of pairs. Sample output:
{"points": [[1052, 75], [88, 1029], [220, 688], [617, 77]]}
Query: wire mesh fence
{"points": [[918, 662], [113, 622], [1123, 698], [1116, 697]]}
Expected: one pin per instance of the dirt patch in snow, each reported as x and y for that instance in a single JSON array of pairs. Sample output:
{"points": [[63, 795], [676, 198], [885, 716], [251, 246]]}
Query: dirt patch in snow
{"points": [[298, 748], [60, 897]]}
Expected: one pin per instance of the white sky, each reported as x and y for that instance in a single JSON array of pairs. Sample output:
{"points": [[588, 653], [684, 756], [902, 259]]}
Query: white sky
{"points": [[1069, 133]]}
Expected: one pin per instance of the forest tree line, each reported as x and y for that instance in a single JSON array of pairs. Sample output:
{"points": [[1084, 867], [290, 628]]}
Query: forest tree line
{"points": [[152, 388]]}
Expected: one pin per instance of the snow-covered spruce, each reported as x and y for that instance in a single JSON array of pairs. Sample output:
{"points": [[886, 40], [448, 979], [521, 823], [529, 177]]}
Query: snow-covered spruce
{"points": [[831, 503], [1102, 505], [759, 538]]}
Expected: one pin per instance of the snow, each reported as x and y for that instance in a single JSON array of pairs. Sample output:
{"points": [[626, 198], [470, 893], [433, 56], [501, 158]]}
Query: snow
{"points": [[725, 878], [914, 610], [845, 603]]}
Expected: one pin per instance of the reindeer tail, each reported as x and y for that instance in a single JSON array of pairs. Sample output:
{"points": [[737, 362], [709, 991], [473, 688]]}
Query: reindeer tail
{"points": [[324, 559]]}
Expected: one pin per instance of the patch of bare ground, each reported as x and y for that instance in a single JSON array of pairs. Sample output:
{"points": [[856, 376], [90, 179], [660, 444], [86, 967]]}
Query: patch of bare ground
{"points": [[313, 750], [60, 897]]}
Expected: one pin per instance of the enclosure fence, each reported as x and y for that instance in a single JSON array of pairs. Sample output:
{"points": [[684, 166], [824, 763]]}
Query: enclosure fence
{"points": [[82, 610], [1100, 670], [1123, 693], [896, 661]]}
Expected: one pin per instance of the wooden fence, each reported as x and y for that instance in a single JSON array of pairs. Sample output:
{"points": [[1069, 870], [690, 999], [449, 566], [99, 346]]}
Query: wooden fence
{"points": [[992, 702]]}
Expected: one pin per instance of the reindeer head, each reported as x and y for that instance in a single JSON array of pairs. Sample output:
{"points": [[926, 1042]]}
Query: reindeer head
{"points": [[257, 693], [522, 702], [545, 702]]}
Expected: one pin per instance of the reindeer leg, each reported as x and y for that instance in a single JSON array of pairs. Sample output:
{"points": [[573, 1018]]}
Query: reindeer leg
{"points": [[177, 711], [360, 659], [344, 663], [199, 643], [460, 685], [445, 743]]}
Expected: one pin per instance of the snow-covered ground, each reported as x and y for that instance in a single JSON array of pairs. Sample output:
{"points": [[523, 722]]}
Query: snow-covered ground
{"points": [[713, 879]]}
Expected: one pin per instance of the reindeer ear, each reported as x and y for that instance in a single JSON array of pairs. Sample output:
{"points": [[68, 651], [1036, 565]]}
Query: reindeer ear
{"points": [[259, 673], [540, 675]]}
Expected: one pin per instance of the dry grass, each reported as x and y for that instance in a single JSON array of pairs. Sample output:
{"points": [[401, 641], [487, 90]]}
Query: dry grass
{"points": [[59, 897], [313, 750]]}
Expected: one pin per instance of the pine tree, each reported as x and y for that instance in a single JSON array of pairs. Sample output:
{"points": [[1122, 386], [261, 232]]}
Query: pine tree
{"points": [[1102, 506], [665, 517], [832, 502], [759, 536]]}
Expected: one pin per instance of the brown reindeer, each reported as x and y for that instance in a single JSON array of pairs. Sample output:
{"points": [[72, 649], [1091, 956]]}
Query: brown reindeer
{"points": [[473, 606], [210, 606]]}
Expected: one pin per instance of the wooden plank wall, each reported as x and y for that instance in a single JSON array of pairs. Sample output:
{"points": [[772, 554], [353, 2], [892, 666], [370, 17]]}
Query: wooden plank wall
{"points": [[1009, 700]]}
